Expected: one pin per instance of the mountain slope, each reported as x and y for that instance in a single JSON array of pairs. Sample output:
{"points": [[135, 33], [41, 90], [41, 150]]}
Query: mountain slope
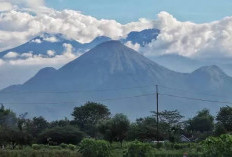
{"points": [[42, 44], [115, 75]]}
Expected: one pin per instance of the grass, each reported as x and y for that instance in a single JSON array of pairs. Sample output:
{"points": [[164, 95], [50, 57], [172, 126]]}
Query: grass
{"points": [[116, 151], [39, 153]]}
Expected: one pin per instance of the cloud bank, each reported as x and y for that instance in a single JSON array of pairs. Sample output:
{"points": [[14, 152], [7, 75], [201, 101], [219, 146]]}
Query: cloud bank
{"points": [[190, 39], [17, 27]]}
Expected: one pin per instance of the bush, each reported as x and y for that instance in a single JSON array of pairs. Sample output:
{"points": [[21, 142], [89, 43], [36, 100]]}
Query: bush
{"points": [[38, 146], [58, 135], [218, 146], [71, 147], [94, 148], [139, 149]]}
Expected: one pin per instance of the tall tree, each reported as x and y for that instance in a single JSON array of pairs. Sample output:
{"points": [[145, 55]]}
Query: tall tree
{"points": [[115, 129], [171, 117], [225, 117], [7, 118], [88, 115], [202, 122]]}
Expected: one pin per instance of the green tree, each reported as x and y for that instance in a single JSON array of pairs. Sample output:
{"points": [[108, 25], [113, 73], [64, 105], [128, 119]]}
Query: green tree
{"points": [[7, 118], [172, 118], [202, 122], [224, 116], [14, 137], [144, 129], [37, 125], [219, 129], [58, 135], [115, 129], [60, 123], [88, 115]]}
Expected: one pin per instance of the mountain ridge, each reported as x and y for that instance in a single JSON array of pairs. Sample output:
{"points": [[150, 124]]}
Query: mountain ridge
{"points": [[111, 65]]}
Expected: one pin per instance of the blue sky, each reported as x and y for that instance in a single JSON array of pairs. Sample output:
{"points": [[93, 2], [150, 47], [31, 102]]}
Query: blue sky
{"points": [[124, 11]]}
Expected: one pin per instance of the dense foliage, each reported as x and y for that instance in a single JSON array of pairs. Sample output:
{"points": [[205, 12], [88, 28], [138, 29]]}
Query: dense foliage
{"points": [[93, 132], [94, 148], [218, 146], [58, 135]]}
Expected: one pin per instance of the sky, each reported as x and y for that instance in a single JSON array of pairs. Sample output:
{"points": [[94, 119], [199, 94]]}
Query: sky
{"points": [[124, 11]]}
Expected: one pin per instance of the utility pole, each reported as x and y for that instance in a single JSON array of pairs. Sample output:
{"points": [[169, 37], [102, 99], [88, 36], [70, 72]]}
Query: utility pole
{"points": [[157, 112]]}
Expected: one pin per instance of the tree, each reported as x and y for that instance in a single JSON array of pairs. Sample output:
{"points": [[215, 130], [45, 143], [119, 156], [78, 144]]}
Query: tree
{"points": [[143, 129], [202, 122], [115, 129], [171, 117], [225, 117], [88, 115], [58, 135], [7, 118], [60, 123], [219, 129], [14, 137], [36, 126]]}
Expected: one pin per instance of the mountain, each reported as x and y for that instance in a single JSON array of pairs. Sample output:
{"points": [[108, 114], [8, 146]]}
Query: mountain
{"points": [[143, 37], [119, 77], [178, 63], [55, 42], [42, 44]]}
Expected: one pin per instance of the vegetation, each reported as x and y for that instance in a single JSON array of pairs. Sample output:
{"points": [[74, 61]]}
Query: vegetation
{"points": [[94, 133]]}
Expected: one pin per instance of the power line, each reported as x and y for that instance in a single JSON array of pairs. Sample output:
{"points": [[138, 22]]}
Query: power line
{"points": [[197, 99], [74, 91], [56, 103], [184, 90]]}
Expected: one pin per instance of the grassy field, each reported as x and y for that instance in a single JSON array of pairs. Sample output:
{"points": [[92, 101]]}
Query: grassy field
{"points": [[39, 153], [116, 150]]}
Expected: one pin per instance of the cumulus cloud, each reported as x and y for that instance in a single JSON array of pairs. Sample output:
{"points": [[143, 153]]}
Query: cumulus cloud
{"points": [[135, 46], [51, 59], [38, 41], [17, 27], [51, 39], [5, 6], [10, 55], [2, 62], [51, 53], [190, 39]]}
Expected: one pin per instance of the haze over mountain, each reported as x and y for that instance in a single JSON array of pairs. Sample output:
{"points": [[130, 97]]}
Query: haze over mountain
{"points": [[117, 76], [185, 64]]}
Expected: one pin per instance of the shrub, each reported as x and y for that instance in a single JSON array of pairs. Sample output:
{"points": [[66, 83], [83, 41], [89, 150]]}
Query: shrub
{"points": [[94, 148], [38, 146], [218, 146], [71, 147], [139, 149], [58, 135]]}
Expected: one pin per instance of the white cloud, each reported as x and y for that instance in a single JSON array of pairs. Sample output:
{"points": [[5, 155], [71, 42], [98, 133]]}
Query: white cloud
{"points": [[27, 55], [11, 55], [5, 6], [38, 41], [17, 27], [51, 39], [135, 46], [30, 59], [51, 53], [190, 39], [1, 62]]}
